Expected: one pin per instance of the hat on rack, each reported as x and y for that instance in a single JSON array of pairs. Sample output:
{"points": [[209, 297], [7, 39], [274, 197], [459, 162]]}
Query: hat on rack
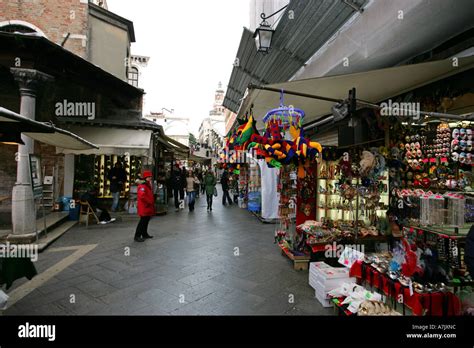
{"points": [[147, 173]]}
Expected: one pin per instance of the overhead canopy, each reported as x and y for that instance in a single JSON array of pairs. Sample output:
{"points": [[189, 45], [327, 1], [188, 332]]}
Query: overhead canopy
{"points": [[304, 27], [113, 141], [12, 123], [373, 86], [180, 150]]}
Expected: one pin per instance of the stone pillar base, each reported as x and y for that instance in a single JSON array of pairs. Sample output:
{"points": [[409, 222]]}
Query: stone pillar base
{"points": [[23, 210]]}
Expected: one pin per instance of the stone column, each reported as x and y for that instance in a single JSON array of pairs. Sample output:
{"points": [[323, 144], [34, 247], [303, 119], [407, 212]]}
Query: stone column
{"points": [[23, 205]]}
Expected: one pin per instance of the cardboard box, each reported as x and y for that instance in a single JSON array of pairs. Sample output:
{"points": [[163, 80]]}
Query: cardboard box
{"points": [[322, 299], [316, 266]]}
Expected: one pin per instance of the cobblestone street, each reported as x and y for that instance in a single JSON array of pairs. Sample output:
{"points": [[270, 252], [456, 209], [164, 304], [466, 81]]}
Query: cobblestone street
{"points": [[199, 263]]}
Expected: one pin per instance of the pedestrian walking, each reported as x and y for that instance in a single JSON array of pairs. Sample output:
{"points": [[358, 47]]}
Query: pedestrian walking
{"points": [[210, 186], [225, 188], [117, 177], [177, 185], [198, 185], [183, 182], [146, 206], [191, 182]]}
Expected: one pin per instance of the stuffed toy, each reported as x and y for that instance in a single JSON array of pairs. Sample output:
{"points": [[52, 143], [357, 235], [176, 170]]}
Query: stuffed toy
{"points": [[245, 132], [367, 163]]}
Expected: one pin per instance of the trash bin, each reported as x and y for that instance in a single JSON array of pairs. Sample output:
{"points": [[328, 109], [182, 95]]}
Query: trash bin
{"points": [[74, 212], [66, 202]]}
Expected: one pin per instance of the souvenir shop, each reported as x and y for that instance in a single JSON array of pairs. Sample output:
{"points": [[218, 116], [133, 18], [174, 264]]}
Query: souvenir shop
{"points": [[158, 152], [380, 220]]}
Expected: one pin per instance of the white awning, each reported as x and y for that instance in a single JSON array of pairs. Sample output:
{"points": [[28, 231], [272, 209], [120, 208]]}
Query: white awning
{"points": [[45, 132], [373, 86], [112, 141]]}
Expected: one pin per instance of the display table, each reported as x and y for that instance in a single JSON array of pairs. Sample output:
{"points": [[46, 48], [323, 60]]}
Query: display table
{"points": [[436, 303]]}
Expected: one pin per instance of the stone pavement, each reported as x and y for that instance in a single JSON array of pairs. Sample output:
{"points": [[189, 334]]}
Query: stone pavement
{"points": [[219, 263]]}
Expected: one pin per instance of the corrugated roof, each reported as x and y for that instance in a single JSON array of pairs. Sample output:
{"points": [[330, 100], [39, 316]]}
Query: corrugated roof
{"points": [[294, 43]]}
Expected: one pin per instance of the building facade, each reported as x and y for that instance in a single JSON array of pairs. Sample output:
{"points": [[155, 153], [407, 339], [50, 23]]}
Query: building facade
{"points": [[175, 126], [86, 28], [88, 63], [212, 128]]}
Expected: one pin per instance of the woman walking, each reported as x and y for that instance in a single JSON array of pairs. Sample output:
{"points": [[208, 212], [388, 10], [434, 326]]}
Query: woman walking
{"points": [[210, 186], [146, 206], [191, 182]]}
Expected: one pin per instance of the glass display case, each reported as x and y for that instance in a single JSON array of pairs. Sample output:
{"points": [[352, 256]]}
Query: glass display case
{"points": [[341, 204]]}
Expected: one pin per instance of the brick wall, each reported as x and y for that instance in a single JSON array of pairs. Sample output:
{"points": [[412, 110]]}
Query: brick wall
{"points": [[8, 169], [55, 18], [49, 158]]}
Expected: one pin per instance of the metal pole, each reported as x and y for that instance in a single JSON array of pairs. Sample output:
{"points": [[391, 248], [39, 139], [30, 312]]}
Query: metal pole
{"points": [[305, 95], [359, 101], [357, 210], [44, 216], [36, 226]]}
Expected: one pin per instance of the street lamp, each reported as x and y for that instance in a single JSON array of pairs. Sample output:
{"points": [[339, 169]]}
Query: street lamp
{"points": [[264, 33], [263, 37]]}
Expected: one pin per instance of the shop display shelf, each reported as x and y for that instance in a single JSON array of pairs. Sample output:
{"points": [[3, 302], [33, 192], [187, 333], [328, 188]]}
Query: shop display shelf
{"points": [[440, 231], [417, 303]]}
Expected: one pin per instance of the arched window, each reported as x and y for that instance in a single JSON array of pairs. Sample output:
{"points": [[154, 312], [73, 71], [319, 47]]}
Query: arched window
{"points": [[18, 26], [12, 28], [133, 76]]}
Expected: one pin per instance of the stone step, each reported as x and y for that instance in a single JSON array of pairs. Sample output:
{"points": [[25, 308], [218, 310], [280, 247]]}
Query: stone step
{"points": [[52, 221]]}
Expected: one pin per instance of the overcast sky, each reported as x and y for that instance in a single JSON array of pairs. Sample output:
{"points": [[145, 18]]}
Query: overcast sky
{"points": [[192, 45]]}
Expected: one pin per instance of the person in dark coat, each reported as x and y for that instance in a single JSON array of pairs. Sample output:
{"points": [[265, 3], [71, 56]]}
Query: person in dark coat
{"points": [[146, 206], [177, 185], [210, 186], [91, 197], [225, 188], [117, 177], [184, 175]]}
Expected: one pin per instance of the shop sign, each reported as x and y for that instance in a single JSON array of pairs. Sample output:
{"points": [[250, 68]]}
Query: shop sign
{"points": [[36, 179]]}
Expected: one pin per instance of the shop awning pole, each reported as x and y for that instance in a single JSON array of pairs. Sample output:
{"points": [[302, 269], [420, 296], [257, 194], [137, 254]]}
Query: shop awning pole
{"points": [[361, 102], [304, 95]]}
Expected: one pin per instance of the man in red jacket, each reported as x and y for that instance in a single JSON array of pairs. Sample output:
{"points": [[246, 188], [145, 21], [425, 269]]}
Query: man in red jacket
{"points": [[146, 207]]}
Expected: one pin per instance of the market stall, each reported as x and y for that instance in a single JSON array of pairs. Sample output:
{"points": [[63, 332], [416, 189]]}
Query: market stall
{"points": [[392, 195]]}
